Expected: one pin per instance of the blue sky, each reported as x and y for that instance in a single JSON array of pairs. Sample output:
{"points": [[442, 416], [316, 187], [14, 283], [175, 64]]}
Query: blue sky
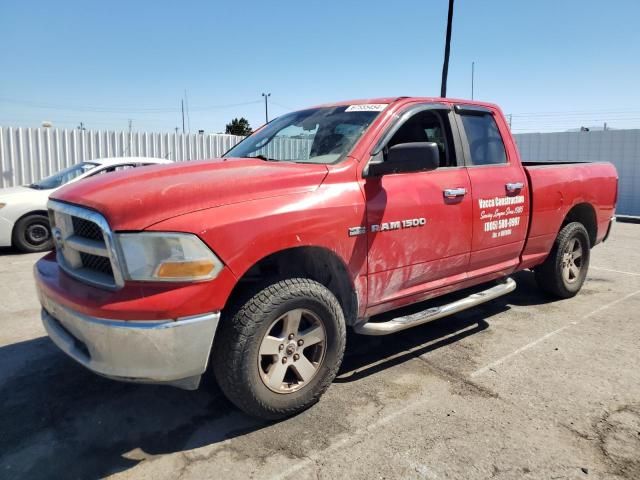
{"points": [[552, 64]]}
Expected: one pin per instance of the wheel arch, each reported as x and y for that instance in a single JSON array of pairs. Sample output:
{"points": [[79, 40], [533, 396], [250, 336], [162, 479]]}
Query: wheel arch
{"points": [[316, 263], [585, 214]]}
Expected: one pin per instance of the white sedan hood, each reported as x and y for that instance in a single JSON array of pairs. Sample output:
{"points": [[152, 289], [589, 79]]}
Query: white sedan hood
{"points": [[21, 194]]}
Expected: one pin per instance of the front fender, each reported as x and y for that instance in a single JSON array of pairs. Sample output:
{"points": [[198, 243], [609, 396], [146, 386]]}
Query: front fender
{"points": [[242, 234]]}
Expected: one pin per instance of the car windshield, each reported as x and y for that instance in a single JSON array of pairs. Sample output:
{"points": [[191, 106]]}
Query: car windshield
{"points": [[64, 176], [318, 135]]}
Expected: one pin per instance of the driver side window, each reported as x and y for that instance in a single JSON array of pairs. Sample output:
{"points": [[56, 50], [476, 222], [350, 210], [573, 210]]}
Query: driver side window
{"points": [[427, 126]]}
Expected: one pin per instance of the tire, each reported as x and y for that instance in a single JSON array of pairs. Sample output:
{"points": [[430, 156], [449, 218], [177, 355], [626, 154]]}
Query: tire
{"points": [[251, 342], [32, 234], [565, 269]]}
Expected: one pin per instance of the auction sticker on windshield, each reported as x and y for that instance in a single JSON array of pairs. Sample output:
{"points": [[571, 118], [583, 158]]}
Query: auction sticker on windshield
{"points": [[367, 107]]}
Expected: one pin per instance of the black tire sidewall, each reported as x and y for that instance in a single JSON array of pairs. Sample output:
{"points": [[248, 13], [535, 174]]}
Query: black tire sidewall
{"points": [[549, 274], [237, 343], [333, 354], [20, 234], [579, 232]]}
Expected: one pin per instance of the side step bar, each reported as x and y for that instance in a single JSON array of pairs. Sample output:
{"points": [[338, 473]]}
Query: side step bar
{"points": [[402, 323]]}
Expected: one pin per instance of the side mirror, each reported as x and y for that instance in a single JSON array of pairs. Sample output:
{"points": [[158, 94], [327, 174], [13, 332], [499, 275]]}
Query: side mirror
{"points": [[407, 157]]}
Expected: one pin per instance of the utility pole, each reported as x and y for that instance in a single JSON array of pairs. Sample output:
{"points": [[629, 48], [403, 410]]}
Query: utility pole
{"points": [[510, 115], [81, 126], [182, 108], [266, 107], [447, 48], [473, 65], [605, 126]]}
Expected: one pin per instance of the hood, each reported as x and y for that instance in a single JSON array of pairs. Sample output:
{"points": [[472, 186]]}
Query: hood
{"points": [[20, 194], [137, 198]]}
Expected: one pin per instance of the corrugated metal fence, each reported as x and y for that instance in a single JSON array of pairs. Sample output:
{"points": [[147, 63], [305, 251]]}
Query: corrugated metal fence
{"points": [[29, 154], [620, 147], [285, 148]]}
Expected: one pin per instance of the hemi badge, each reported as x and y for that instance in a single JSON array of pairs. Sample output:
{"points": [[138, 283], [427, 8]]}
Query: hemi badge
{"points": [[354, 231]]}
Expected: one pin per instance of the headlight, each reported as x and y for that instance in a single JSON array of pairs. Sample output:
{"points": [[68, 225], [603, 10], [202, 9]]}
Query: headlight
{"points": [[166, 256]]}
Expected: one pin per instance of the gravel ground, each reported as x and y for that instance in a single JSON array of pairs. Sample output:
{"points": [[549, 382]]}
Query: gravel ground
{"points": [[520, 388]]}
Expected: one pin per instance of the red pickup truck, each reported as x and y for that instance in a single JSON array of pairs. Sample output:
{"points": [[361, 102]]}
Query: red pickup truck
{"points": [[255, 264]]}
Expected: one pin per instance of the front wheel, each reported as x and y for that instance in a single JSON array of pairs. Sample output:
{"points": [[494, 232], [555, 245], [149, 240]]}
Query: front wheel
{"points": [[32, 234], [277, 353], [565, 269]]}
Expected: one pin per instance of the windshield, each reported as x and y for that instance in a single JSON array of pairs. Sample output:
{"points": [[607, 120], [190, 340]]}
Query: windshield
{"points": [[318, 135], [64, 176]]}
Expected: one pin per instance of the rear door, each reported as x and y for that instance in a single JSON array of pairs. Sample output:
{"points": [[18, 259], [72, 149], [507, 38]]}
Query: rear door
{"points": [[499, 192]]}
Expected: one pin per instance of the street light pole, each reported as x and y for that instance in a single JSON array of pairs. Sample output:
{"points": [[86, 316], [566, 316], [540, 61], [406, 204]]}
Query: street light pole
{"points": [[266, 107]]}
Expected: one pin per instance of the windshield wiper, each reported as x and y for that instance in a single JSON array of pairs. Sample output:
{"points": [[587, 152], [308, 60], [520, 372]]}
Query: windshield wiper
{"points": [[266, 159]]}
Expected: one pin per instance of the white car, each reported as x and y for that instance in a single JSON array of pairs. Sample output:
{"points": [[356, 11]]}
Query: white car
{"points": [[24, 222]]}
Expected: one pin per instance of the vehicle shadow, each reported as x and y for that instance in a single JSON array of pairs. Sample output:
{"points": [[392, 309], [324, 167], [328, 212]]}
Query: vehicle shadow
{"points": [[58, 420], [10, 251], [368, 355]]}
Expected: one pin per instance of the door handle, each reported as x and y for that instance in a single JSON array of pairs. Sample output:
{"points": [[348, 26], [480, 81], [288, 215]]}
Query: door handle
{"points": [[514, 187], [454, 192]]}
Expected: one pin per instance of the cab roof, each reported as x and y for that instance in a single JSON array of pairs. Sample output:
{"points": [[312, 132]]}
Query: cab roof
{"points": [[401, 100]]}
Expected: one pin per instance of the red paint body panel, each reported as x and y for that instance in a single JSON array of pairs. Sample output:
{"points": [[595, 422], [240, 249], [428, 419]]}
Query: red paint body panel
{"points": [[557, 189], [405, 260], [133, 200], [243, 234], [488, 183], [247, 209]]}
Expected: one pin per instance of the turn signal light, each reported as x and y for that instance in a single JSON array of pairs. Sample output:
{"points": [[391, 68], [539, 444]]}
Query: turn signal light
{"points": [[195, 268]]}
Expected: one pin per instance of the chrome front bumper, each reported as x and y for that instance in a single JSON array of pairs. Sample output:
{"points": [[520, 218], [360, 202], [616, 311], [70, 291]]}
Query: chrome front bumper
{"points": [[174, 352]]}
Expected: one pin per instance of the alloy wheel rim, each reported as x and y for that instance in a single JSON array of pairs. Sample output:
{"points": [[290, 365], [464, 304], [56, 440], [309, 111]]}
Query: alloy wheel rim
{"points": [[292, 351], [572, 260]]}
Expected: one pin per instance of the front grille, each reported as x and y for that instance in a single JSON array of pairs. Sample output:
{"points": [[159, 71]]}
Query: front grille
{"points": [[97, 263], [86, 229], [84, 245]]}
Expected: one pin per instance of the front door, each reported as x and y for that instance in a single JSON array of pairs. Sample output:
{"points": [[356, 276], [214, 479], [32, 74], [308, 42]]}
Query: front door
{"points": [[419, 224]]}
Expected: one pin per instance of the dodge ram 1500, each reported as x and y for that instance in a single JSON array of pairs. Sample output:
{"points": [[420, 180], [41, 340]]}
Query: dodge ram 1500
{"points": [[253, 266]]}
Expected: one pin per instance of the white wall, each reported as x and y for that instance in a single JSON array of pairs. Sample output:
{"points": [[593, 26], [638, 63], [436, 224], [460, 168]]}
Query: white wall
{"points": [[620, 147]]}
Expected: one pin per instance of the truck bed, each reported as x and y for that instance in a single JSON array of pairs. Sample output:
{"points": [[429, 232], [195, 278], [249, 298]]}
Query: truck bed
{"points": [[557, 187]]}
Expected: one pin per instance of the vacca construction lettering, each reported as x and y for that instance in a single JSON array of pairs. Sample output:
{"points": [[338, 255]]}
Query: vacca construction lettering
{"points": [[500, 201]]}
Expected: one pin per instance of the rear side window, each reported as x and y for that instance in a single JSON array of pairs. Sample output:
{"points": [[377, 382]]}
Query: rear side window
{"points": [[485, 143]]}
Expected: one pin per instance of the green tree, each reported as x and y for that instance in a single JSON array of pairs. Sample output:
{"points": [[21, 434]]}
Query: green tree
{"points": [[239, 126]]}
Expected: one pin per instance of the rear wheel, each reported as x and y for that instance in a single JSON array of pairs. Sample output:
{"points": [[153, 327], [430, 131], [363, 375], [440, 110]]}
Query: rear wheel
{"points": [[565, 269], [277, 353], [32, 233]]}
